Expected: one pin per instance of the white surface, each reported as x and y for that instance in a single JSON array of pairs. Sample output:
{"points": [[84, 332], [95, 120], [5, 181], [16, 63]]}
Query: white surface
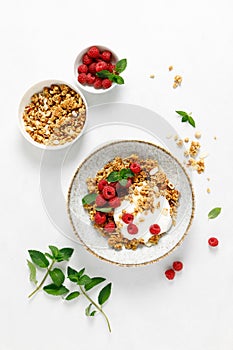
{"points": [[39, 41]]}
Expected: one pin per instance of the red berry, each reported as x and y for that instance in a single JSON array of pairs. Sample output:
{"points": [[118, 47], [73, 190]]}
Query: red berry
{"points": [[177, 265], [132, 229], [127, 218], [109, 192], [100, 218], [101, 66], [111, 67], [90, 79], [98, 83], [93, 52], [92, 67], [106, 83], [114, 202], [170, 274], [100, 201], [82, 78], [135, 167], [110, 227], [213, 242], [82, 68], [155, 229], [113, 184], [101, 184], [106, 56], [86, 59]]}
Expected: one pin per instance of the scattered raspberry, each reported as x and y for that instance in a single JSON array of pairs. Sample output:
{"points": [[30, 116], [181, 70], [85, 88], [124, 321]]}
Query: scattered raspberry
{"points": [[82, 68], [111, 67], [82, 78], [100, 218], [109, 192], [110, 227], [106, 83], [106, 56], [100, 201], [101, 184], [135, 167], [92, 67], [101, 66], [93, 52], [155, 229], [114, 202], [90, 79], [170, 274], [177, 265], [86, 59], [127, 218], [98, 83], [132, 229], [213, 242]]}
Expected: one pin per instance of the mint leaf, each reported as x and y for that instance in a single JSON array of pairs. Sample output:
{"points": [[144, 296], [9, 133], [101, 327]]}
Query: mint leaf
{"points": [[65, 254], [39, 258], [54, 250], [104, 210], [84, 280], [94, 282], [118, 79], [57, 276], [72, 295], [89, 198], [81, 272], [104, 294], [32, 269], [105, 74], [121, 65], [185, 119], [182, 113], [113, 176], [72, 274], [125, 173], [191, 121], [214, 213], [123, 182], [55, 290]]}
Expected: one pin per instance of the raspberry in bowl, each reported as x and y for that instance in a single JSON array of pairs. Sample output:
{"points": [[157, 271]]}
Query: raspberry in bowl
{"points": [[90, 65]]}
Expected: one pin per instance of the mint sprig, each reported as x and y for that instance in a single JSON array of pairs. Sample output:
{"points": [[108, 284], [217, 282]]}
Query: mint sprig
{"points": [[114, 76], [123, 174], [83, 282], [186, 118]]}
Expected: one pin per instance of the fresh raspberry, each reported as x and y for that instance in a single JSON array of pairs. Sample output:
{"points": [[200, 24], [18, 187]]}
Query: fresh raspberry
{"points": [[82, 68], [113, 184], [155, 229], [114, 202], [127, 218], [106, 83], [92, 67], [132, 229], [106, 56], [101, 184], [90, 79], [213, 242], [110, 227], [120, 188], [170, 274], [98, 83], [101, 66], [111, 67], [177, 265], [100, 201], [93, 52], [135, 167], [100, 218], [109, 192], [82, 78], [86, 59]]}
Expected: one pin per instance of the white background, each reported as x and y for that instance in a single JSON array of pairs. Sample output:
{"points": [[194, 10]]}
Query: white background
{"points": [[39, 40]]}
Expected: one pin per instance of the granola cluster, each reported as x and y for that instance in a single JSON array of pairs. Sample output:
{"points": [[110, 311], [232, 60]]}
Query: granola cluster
{"points": [[55, 116]]}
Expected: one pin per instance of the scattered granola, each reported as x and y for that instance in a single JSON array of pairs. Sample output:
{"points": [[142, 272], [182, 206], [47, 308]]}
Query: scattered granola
{"points": [[197, 135], [177, 81], [170, 68], [194, 148], [152, 76], [186, 139], [208, 190], [55, 115]]}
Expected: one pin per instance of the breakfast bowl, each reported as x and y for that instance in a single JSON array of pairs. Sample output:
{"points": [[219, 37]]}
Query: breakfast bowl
{"points": [[130, 203], [52, 114], [88, 63]]}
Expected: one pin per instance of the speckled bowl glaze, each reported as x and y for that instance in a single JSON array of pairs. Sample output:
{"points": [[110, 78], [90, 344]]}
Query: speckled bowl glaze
{"points": [[98, 245]]}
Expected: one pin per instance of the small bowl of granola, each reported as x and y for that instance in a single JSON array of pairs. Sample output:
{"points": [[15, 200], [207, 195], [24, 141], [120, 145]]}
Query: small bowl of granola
{"points": [[52, 114], [131, 203], [97, 69]]}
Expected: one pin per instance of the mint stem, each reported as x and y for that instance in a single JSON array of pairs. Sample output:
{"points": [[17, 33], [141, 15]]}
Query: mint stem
{"points": [[97, 307], [43, 280]]}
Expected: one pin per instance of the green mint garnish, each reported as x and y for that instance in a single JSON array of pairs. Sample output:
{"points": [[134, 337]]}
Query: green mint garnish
{"points": [[89, 198], [123, 174], [186, 118], [214, 213], [114, 76]]}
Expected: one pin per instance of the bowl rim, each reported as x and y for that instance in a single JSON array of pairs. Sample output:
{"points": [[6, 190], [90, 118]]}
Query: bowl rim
{"points": [[35, 88], [78, 61], [146, 262]]}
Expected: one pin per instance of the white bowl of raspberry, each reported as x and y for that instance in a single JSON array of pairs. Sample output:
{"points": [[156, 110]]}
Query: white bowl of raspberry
{"points": [[89, 62]]}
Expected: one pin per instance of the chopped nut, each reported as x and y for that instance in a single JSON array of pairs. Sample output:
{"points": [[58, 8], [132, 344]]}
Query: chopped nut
{"points": [[152, 76], [170, 68], [197, 135], [194, 148], [177, 81], [208, 190], [186, 139], [179, 143]]}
